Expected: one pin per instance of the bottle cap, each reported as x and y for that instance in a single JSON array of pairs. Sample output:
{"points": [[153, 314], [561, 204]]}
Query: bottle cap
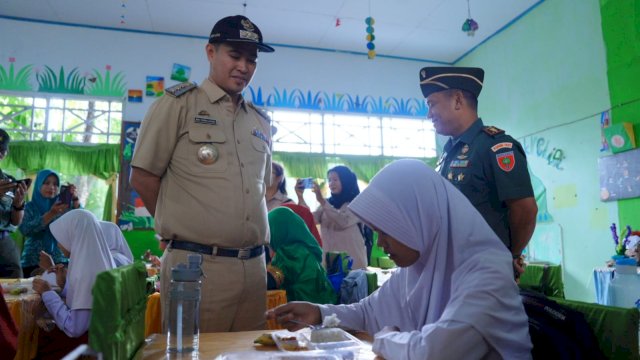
{"points": [[626, 261], [190, 272]]}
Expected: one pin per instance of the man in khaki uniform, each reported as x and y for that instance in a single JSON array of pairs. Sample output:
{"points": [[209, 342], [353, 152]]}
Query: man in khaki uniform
{"points": [[201, 165]]}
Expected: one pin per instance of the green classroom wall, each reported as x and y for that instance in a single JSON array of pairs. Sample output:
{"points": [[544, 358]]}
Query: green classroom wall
{"points": [[621, 31], [546, 85]]}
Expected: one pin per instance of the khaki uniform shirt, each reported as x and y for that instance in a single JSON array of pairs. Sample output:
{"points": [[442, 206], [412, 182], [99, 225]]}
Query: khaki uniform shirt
{"points": [[222, 203]]}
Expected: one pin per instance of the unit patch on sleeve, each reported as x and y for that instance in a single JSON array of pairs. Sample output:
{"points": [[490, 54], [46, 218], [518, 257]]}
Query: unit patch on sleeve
{"points": [[506, 161]]}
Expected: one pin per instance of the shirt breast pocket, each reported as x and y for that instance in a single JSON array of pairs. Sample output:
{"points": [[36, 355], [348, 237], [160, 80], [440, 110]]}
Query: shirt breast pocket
{"points": [[205, 150], [260, 145]]}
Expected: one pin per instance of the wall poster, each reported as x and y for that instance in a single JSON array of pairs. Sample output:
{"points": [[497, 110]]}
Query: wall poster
{"points": [[131, 211]]}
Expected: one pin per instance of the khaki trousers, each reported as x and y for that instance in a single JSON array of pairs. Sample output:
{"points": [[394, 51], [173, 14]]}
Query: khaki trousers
{"points": [[233, 295]]}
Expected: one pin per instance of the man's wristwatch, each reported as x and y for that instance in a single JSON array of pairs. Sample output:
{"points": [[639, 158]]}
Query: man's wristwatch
{"points": [[516, 256], [18, 208]]}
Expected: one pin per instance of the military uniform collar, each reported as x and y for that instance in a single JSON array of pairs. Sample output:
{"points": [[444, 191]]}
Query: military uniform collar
{"points": [[215, 93], [466, 137]]}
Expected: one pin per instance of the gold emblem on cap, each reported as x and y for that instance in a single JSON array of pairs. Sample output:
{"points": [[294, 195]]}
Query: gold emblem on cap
{"points": [[247, 24], [207, 154]]}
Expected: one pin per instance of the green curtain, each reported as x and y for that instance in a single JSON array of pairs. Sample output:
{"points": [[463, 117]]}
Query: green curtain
{"points": [[302, 165], [102, 161]]}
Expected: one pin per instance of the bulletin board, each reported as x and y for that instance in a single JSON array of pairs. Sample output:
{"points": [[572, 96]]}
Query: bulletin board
{"points": [[131, 211], [620, 176]]}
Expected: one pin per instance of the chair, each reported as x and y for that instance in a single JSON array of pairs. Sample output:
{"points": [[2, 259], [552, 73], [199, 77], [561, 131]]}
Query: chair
{"points": [[615, 328], [543, 278], [275, 298], [117, 324], [153, 315]]}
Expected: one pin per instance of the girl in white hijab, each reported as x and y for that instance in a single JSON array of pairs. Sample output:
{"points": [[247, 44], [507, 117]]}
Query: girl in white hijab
{"points": [[453, 297], [118, 246], [81, 239]]}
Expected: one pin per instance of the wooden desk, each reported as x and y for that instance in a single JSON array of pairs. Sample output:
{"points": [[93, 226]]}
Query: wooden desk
{"points": [[24, 309], [214, 344]]}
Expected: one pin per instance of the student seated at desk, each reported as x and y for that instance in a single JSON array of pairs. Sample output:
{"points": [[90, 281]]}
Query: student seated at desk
{"points": [[118, 246], [80, 238], [299, 259], [454, 295]]}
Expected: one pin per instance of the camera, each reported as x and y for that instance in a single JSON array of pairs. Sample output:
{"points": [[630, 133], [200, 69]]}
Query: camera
{"points": [[306, 183], [65, 196]]}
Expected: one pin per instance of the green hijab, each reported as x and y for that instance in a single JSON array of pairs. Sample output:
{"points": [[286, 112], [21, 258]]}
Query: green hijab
{"points": [[290, 236], [299, 257]]}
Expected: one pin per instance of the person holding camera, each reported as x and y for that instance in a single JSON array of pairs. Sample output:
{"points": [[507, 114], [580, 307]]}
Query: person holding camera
{"points": [[338, 226], [11, 213], [41, 248]]}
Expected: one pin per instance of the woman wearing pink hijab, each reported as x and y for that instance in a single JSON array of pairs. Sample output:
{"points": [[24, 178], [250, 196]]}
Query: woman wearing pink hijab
{"points": [[454, 295]]}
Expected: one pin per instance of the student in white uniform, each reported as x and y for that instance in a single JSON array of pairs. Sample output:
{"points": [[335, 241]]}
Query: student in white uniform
{"points": [[118, 246], [453, 297]]}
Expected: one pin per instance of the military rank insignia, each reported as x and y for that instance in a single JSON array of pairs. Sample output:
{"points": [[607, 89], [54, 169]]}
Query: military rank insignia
{"points": [[506, 161], [492, 130], [180, 89]]}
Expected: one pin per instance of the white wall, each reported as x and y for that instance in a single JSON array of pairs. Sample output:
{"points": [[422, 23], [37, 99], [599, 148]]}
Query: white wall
{"points": [[139, 55]]}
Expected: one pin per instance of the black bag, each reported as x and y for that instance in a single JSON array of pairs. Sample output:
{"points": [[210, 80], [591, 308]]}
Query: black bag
{"points": [[367, 235], [558, 332]]}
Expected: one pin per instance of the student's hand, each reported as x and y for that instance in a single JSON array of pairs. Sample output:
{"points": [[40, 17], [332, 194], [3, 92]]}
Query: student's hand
{"points": [[74, 196], [41, 286], [305, 312], [318, 192], [46, 262]]}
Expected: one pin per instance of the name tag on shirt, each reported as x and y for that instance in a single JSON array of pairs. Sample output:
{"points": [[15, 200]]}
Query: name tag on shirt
{"points": [[205, 120], [459, 164], [257, 133]]}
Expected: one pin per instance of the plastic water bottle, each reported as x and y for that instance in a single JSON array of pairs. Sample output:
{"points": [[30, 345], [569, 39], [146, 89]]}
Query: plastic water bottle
{"points": [[183, 320], [624, 289]]}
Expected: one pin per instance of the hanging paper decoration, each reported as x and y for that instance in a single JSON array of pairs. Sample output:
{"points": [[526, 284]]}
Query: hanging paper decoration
{"points": [[469, 26], [370, 37], [123, 7]]}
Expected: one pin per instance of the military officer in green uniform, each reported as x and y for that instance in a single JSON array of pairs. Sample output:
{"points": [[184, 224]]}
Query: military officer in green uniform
{"points": [[201, 165], [488, 166]]}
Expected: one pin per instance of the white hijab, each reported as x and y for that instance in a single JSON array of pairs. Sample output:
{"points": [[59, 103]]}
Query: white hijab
{"points": [[117, 243], [79, 232], [464, 272]]}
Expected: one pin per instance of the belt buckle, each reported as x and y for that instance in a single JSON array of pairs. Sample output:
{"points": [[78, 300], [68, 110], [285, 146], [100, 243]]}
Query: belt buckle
{"points": [[244, 254]]}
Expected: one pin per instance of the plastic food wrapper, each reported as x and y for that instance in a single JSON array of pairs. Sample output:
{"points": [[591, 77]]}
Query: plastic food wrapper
{"points": [[303, 341], [308, 355]]}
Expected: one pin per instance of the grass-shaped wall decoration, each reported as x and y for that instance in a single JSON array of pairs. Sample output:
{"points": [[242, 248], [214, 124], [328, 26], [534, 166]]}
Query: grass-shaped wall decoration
{"points": [[12, 80], [48, 81], [106, 86], [335, 102]]}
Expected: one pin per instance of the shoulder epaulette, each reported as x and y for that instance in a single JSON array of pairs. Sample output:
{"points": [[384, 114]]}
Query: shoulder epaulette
{"points": [[260, 112], [180, 89], [492, 130]]}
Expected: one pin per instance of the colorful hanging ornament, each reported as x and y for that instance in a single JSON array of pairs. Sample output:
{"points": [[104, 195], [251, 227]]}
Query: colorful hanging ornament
{"points": [[123, 8], [469, 26], [371, 53]]}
